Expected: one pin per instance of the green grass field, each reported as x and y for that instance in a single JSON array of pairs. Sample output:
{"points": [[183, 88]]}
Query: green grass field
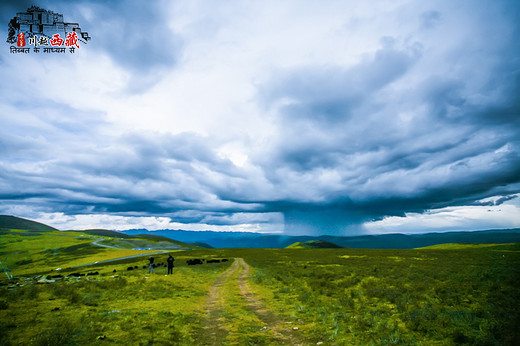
{"points": [[447, 295], [466, 296]]}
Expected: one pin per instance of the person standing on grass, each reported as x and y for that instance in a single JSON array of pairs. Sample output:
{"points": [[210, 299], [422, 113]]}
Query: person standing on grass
{"points": [[170, 264], [150, 270]]}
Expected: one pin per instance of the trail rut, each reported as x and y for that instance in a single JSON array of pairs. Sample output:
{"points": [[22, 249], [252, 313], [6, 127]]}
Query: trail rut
{"points": [[233, 290]]}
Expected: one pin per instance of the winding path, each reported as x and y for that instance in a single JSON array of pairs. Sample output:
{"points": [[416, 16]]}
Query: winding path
{"points": [[217, 326]]}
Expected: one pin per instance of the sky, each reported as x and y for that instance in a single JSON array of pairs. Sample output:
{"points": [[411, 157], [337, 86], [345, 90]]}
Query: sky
{"points": [[295, 117]]}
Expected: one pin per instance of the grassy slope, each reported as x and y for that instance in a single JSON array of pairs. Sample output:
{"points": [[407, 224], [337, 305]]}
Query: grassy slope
{"points": [[202, 245], [313, 244], [148, 242], [123, 305], [140, 241], [112, 238], [29, 253], [13, 222], [105, 233], [459, 246]]}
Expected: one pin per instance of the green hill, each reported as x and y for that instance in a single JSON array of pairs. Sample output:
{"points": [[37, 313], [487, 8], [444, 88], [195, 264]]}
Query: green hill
{"points": [[140, 241], [158, 242], [152, 237], [29, 247], [203, 245], [466, 246], [106, 233], [126, 241], [13, 222], [314, 244]]}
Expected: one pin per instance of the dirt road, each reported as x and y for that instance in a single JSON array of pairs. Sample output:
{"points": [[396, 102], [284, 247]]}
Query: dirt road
{"points": [[234, 314]]}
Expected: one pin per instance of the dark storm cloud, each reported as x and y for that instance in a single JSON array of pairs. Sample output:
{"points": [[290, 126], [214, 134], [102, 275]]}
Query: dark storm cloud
{"points": [[137, 174], [454, 149], [328, 95], [326, 108]]}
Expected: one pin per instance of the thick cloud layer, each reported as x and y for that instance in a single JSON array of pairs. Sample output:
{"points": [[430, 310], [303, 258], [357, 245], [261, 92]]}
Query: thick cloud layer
{"points": [[339, 119]]}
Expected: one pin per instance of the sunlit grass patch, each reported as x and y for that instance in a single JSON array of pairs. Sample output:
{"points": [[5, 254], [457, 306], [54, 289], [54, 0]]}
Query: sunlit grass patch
{"points": [[351, 256], [122, 308]]}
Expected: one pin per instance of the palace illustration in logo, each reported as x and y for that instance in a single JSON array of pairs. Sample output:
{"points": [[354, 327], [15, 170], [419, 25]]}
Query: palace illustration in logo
{"points": [[50, 27]]}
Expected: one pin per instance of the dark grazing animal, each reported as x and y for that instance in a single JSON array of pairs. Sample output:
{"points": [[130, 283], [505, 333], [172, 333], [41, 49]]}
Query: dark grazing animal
{"points": [[194, 261], [52, 277]]}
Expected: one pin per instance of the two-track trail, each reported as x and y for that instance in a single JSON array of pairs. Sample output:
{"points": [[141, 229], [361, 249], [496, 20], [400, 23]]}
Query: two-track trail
{"points": [[234, 314]]}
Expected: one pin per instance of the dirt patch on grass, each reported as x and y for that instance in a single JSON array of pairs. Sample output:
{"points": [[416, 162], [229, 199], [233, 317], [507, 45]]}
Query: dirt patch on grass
{"points": [[213, 330], [216, 326], [283, 330]]}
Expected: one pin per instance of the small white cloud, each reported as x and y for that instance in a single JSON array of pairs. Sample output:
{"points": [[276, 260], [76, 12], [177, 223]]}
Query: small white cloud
{"points": [[464, 218]]}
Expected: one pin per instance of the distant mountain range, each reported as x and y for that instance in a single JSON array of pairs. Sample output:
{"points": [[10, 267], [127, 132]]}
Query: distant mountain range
{"points": [[385, 241], [256, 240]]}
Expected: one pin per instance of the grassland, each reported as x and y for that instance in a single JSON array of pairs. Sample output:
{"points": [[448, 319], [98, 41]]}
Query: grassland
{"points": [[313, 244], [467, 296], [440, 296], [30, 253]]}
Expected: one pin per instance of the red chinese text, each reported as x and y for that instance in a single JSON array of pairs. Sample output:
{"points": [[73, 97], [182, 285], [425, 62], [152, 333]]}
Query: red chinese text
{"points": [[56, 40], [72, 39]]}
